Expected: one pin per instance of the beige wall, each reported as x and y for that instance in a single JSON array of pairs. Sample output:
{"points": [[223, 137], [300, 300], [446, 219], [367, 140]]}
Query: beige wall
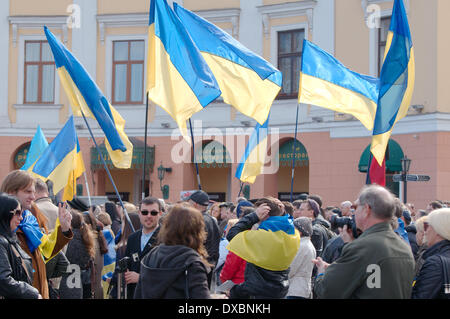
{"points": [[210, 5], [120, 6], [41, 7]]}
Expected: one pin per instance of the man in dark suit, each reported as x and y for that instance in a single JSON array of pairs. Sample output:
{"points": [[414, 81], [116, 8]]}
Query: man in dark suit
{"points": [[142, 241]]}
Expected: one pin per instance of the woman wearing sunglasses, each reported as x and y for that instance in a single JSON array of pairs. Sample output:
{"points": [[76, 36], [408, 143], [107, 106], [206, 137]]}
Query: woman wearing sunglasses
{"points": [[15, 264]]}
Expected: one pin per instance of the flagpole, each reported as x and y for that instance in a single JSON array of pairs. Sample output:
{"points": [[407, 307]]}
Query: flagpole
{"points": [[107, 171], [87, 188], [293, 156], [145, 148], [193, 151], [240, 190]]}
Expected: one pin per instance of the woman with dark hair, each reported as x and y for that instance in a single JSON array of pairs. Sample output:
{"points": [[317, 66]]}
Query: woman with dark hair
{"points": [[80, 252], [178, 267], [15, 265]]}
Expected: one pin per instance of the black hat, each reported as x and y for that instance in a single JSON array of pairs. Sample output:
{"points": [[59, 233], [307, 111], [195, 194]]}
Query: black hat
{"points": [[200, 197], [78, 204]]}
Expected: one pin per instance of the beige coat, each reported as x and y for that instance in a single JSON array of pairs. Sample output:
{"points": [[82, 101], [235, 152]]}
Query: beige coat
{"points": [[301, 270]]}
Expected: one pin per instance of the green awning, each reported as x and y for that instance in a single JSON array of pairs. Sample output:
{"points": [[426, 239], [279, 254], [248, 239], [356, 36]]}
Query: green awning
{"points": [[138, 156], [301, 155], [393, 156], [212, 154]]}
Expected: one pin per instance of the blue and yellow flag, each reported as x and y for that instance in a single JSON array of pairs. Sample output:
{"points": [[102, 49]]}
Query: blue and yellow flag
{"points": [[179, 80], [252, 162], [59, 159], [396, 81], [272, 246], [109, 261], [247, 81], [79, 169], [85, 96], [38, 145], [326, 82]]}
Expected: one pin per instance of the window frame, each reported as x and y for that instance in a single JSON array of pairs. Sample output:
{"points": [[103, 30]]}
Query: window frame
{"points": [[128, 63], [40, 65], [381, 44]]}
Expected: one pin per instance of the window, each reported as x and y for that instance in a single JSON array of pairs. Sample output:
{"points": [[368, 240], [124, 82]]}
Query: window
{"points": [[39, 73], [290, 46], [128, 72], [382, 38]]}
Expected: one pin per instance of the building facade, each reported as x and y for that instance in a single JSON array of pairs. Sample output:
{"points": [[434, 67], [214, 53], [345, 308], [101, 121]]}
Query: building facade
{"points": [[109, 37]]}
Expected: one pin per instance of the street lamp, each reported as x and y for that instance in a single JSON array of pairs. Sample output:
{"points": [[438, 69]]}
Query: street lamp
{"points": [[161, 172], [406, 163]]}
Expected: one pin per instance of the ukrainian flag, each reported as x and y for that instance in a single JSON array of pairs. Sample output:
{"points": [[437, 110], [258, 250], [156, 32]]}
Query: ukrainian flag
{"points": [[396, 81], [85, 96], [272, 246], [79, 169], [37, 146], [179, 80], [59, 159], [109, 261], [252, 162], [325, 82], [247, 81]]}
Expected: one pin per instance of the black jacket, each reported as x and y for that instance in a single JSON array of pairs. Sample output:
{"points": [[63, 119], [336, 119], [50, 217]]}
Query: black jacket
{"points": [[213, 237], [14, 283], [430, 281], [319, 237], [172, 272], [259, 283], [412, 231]]}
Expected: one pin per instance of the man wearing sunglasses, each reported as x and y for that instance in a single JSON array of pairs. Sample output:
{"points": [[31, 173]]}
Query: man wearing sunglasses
{"points": [[142, 241]]}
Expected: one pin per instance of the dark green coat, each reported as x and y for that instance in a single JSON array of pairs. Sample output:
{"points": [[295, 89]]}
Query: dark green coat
{"points": [[376, 265]]}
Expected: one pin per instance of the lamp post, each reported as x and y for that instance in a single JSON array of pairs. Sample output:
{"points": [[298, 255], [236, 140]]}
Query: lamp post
{"points": [[161, 172], [406, 163]]}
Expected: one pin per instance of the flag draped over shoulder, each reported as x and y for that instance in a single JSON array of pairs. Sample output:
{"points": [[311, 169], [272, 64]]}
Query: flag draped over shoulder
{"points": [[85, 96], [59, 159], [325, 82], [78, 170], [252, 162], [247, 81], [179, 80], [396, 81], [272, 246], [37, 146]]}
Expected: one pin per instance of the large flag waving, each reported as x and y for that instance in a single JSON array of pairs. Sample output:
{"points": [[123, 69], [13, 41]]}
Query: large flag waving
{"points": [[247, 81], [59, 159], [396, 81], [252, 162], [326, 82], [37, 146], [179, 80], [85, 96]]}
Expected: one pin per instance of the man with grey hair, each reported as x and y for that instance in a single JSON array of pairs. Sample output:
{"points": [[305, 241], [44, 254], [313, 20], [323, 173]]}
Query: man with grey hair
{"points": [[346, 208], [376, 265]]}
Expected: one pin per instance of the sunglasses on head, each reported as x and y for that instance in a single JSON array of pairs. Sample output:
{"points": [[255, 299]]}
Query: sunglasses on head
{"points": [[146, 212], [17, 212]]}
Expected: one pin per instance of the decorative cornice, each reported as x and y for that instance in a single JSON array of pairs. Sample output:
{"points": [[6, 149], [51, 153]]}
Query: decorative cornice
{"points": [[221, 16], [120, 21], [285, 10], [38, 22]]}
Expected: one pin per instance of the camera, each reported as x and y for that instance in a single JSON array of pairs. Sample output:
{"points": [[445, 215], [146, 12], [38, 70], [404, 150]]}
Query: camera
{"points": [[123, 264], [340, 222]]}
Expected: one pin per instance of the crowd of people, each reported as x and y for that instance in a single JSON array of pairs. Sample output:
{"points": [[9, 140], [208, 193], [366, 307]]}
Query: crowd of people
{"points": [[374, 247]]}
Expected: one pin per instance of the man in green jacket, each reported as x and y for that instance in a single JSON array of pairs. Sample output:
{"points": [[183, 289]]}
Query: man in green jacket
{"points": [[376, 265]]}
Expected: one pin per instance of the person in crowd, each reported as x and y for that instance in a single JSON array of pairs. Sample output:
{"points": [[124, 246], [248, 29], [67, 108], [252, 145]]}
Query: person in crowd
{"points": [[111, 209], [346, 208], [410, 230], [398, 213], [178, 267], [241, 206], [421, 242], [200, 201], [288, 208], [233, 265], [378, 258], [412, 210], [301, 268], [268, 251], [214, 211], [143, 240], [431, 282], [45, 204], [109, 259], [224, 216], [433, 206], [32, 232], [81, 253], [15, 265]]}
